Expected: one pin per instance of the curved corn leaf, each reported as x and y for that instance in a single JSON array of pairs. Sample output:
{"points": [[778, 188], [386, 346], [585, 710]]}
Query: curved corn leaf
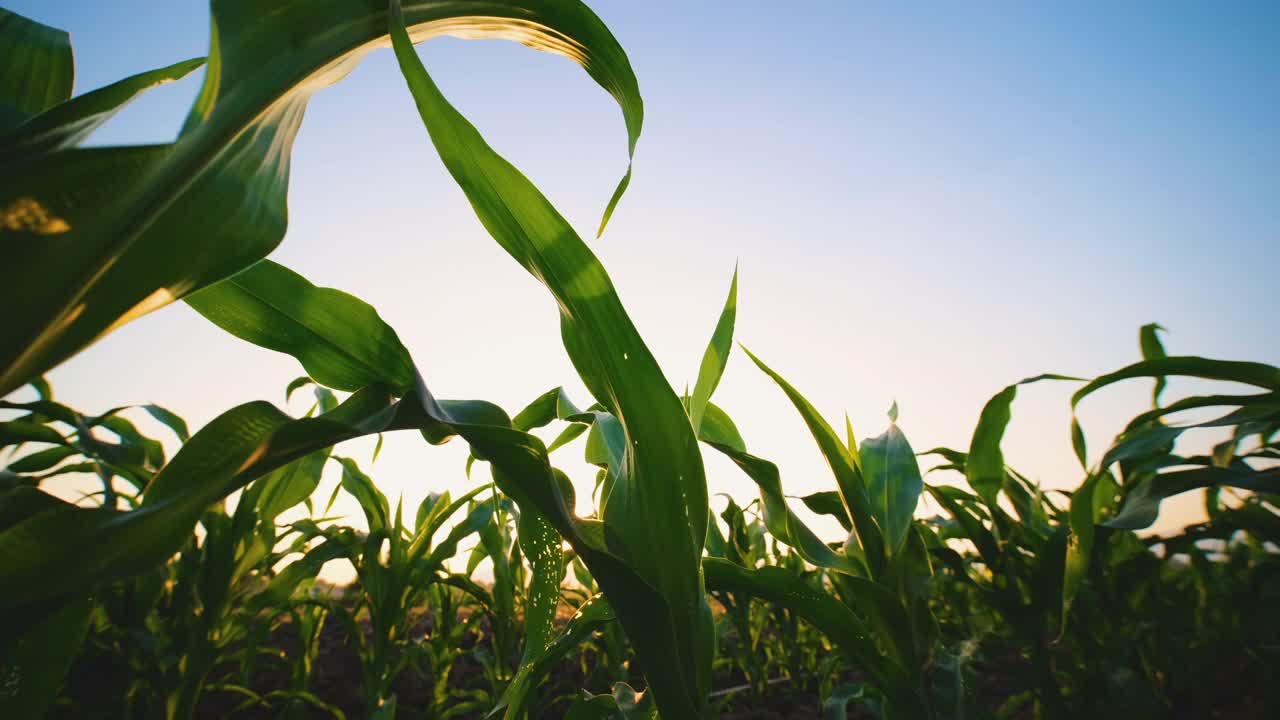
{"points": [[984, 467], [521, 469], [235, 448], [170, 420], [69, 123], [377, 512], [39, 69], [781, 522], [1142, 505], [338, 338], [1248, 373], [591, 615], [849, 480], [655, 521], [97, 226], [827, 502]]}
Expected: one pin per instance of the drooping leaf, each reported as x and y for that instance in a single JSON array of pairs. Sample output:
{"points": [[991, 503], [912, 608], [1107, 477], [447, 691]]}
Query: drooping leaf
{"points": [[338, 338], [984, 467], [94, 229], [1248, 373], [170, 420], [849, 479], [782, 522], [1142, 505], [656, 517]]}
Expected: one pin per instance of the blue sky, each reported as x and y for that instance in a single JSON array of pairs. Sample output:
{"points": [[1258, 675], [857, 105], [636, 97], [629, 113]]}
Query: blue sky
{"points": [[927, 204]]}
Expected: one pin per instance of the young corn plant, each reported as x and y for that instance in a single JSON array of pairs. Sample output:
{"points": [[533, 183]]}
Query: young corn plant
{"points": [[115, 211], [396, 566]]}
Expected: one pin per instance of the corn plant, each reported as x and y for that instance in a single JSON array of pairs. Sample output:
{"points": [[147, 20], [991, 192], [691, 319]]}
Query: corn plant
{"points": [[396, 565], [230, 163], [161, 556]]}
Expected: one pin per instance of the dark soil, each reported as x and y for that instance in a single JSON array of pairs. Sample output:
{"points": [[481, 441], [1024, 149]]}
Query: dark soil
{"points": [[96, 687]]}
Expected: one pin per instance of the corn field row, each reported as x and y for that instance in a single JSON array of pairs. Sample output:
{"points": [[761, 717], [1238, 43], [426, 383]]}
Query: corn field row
{"points": [[177, 591]]}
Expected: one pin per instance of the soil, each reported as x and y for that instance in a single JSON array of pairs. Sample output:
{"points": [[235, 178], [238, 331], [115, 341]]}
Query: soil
{"points": [[94, 687]]}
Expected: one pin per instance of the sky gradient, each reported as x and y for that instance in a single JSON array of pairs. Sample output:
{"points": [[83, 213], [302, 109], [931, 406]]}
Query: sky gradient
{"points": [[926, 205]]}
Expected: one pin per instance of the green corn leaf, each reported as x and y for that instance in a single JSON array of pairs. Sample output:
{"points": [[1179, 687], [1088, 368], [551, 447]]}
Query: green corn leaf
{"points": [[100, 223], [521, 469], [827, 502], [292, 484], [836, 621], [377, 511], [39, 69], [431, 518], [853, 489], [591, 616], [657, 509], [474, 523], [541, 545], [235, 448], [282, 586], [1248, 373], [984, 468], [1142, 505], [42, 460], [15, 432], [962, 507], [1153, 349], [717, 427], [69, 123], [1080, 541], [782, 523], [338, 338], [33, 666], [893, 484], [715, 358], [1267, 404], [170, 420]]}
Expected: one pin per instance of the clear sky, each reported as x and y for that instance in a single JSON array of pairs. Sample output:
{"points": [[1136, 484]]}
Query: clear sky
{"points": [[927, 204]]}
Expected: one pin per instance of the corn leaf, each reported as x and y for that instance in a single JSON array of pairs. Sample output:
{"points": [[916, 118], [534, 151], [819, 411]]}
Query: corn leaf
{"points": [[69, 123], [836, 621], [339, 339], [849, 480], [32, 668], [39, 69], [98, 226], [715, 358], [781, 522], [984, 467], [657, 511], [893, 484]]}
